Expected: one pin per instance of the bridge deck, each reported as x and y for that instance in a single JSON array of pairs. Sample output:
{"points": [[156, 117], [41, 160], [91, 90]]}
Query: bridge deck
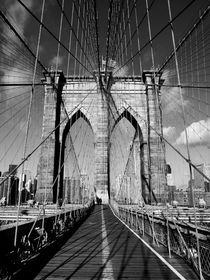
{"points": [[103, 248]]}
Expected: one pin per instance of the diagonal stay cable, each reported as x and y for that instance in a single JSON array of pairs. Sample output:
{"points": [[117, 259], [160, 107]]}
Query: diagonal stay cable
{"points": [[50, 32], [20, 38], [73, 32], [117, 29], [156, 35], [108, 36], [43, 141], [186, 36], [129, 15], [136, 30], [97, 37], [15, 114], [171, 145]]}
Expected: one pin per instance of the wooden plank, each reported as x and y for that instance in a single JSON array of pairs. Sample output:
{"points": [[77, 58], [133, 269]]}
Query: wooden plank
{"points": [[103, 248]]}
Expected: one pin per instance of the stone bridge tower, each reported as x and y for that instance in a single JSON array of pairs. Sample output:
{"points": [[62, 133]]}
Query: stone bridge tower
{"points": [[140, 105]]}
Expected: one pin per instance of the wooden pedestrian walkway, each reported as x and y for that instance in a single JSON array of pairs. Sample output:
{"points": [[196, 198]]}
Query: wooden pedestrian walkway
{"points": [[104, 248]]}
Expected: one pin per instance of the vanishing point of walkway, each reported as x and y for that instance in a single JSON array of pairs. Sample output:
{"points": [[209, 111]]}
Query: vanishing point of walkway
{"points": [[103, 248]]}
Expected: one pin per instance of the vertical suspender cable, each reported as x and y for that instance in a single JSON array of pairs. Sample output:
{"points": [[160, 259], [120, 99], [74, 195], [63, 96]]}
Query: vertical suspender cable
{"points": [[70, 39], [28, 122], [118, 43], [118, 37], [138, 39], [77, 37], [85, 36], [150, 35], [181, 95], [97, 37], [108, 35], [59, 38], [82, 36], [129, 30], [204, 59], [89, 46], [186, 136], [92, 38], [125, 40], [121, 45]]}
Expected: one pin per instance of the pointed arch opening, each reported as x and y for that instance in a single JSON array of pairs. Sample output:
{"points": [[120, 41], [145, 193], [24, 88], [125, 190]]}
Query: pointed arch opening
{"points": [[127, 161], [76, 163]]}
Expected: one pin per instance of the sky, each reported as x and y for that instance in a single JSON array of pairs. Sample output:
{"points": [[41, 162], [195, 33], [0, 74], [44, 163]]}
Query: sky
{"points": [[17, 66]]}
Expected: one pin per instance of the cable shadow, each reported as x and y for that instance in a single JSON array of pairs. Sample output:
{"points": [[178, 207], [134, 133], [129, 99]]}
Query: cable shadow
{"points": [[31, 269]]}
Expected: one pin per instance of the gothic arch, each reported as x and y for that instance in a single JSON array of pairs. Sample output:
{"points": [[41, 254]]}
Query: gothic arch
{"points": [[66, 130], [126, 114]]}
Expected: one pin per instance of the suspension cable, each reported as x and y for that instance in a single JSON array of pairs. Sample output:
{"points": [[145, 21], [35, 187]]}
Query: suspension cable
{"points": [[186, 36], [156, 35], [108, 36], [72, 30], [186, 137], [28, 123], [70, 38], [50, 32], [97, 37]]}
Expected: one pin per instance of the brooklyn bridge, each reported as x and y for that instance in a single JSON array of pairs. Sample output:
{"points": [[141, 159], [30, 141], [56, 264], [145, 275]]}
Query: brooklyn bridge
{"points": [[104, 143]]}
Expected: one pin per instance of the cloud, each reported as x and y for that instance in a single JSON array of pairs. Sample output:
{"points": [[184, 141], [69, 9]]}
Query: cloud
{"points": [[17, 15], [11, 47], [56, 60], [18, 12], [169, 132], [170, 96], [198, 133]]}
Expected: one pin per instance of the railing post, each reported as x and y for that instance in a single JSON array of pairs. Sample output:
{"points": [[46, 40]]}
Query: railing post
{"points": [[168, 237], [136, 220], [153, 229]]}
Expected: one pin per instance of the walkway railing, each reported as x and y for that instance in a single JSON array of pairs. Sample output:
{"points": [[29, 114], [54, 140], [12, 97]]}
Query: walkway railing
{"points": [[178, 237], [33, 237]]}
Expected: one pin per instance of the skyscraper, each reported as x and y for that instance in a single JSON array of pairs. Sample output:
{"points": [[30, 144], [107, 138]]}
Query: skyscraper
{"points": [[201, 183]]}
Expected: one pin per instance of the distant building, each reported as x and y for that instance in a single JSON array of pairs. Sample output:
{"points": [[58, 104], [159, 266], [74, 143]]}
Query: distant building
{"points": [[198, 178], [200, 182], [207, 199], [171, 193], [11, 168], [207, 170], [207, 186], [207, 173], [9, 189], [34, 187], [182, 197], [198, 195], [168, 169], [27, 174]]}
